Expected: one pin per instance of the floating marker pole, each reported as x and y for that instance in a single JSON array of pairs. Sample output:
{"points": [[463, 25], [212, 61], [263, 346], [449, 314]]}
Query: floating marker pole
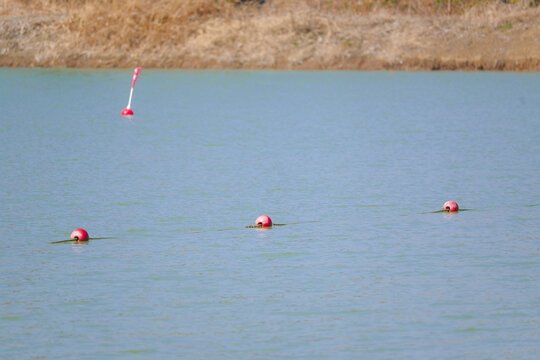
{"points": [[127, 110]]}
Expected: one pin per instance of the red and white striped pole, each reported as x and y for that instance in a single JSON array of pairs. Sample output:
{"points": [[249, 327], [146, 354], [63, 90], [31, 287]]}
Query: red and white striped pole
{"points": [[127, 111]]}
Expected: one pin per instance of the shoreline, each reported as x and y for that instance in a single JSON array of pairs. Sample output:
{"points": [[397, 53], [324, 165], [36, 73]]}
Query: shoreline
{"points": [[500, 38]]}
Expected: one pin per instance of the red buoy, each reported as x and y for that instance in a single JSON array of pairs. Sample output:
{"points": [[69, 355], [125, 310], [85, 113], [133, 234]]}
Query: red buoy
{"points": [[79, 235], [263, 221], [450, 206], [127, 112]]}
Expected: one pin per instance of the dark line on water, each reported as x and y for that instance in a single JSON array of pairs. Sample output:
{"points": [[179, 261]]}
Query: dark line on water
{"points": [[446, 211], [267, 227], [72, 241], [78, 242], [294, 223], [256, 226]]}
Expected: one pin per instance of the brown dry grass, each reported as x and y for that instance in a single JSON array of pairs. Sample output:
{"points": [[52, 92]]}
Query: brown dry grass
{"points": [[285, 34]]}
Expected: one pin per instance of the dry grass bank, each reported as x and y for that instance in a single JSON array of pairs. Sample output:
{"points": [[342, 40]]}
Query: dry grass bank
{"points": [[280, 34]]}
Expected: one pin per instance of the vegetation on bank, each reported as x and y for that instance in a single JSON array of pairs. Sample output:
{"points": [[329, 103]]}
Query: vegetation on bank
{"points": [[213, 7], [318, 34]]}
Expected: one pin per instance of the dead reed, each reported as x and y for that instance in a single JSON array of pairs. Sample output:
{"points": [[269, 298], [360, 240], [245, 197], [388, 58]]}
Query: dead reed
{"points": [[295, 34]]}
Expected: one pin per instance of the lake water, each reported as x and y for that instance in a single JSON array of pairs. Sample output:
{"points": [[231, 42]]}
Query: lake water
{"points": [[352, 162]]}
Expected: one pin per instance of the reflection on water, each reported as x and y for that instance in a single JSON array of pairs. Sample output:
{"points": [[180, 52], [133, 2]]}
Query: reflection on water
{"points": [[79, 247]]}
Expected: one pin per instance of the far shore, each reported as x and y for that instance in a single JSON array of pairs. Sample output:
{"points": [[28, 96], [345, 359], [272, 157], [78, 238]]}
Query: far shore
{"points": [[500, 37]]}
